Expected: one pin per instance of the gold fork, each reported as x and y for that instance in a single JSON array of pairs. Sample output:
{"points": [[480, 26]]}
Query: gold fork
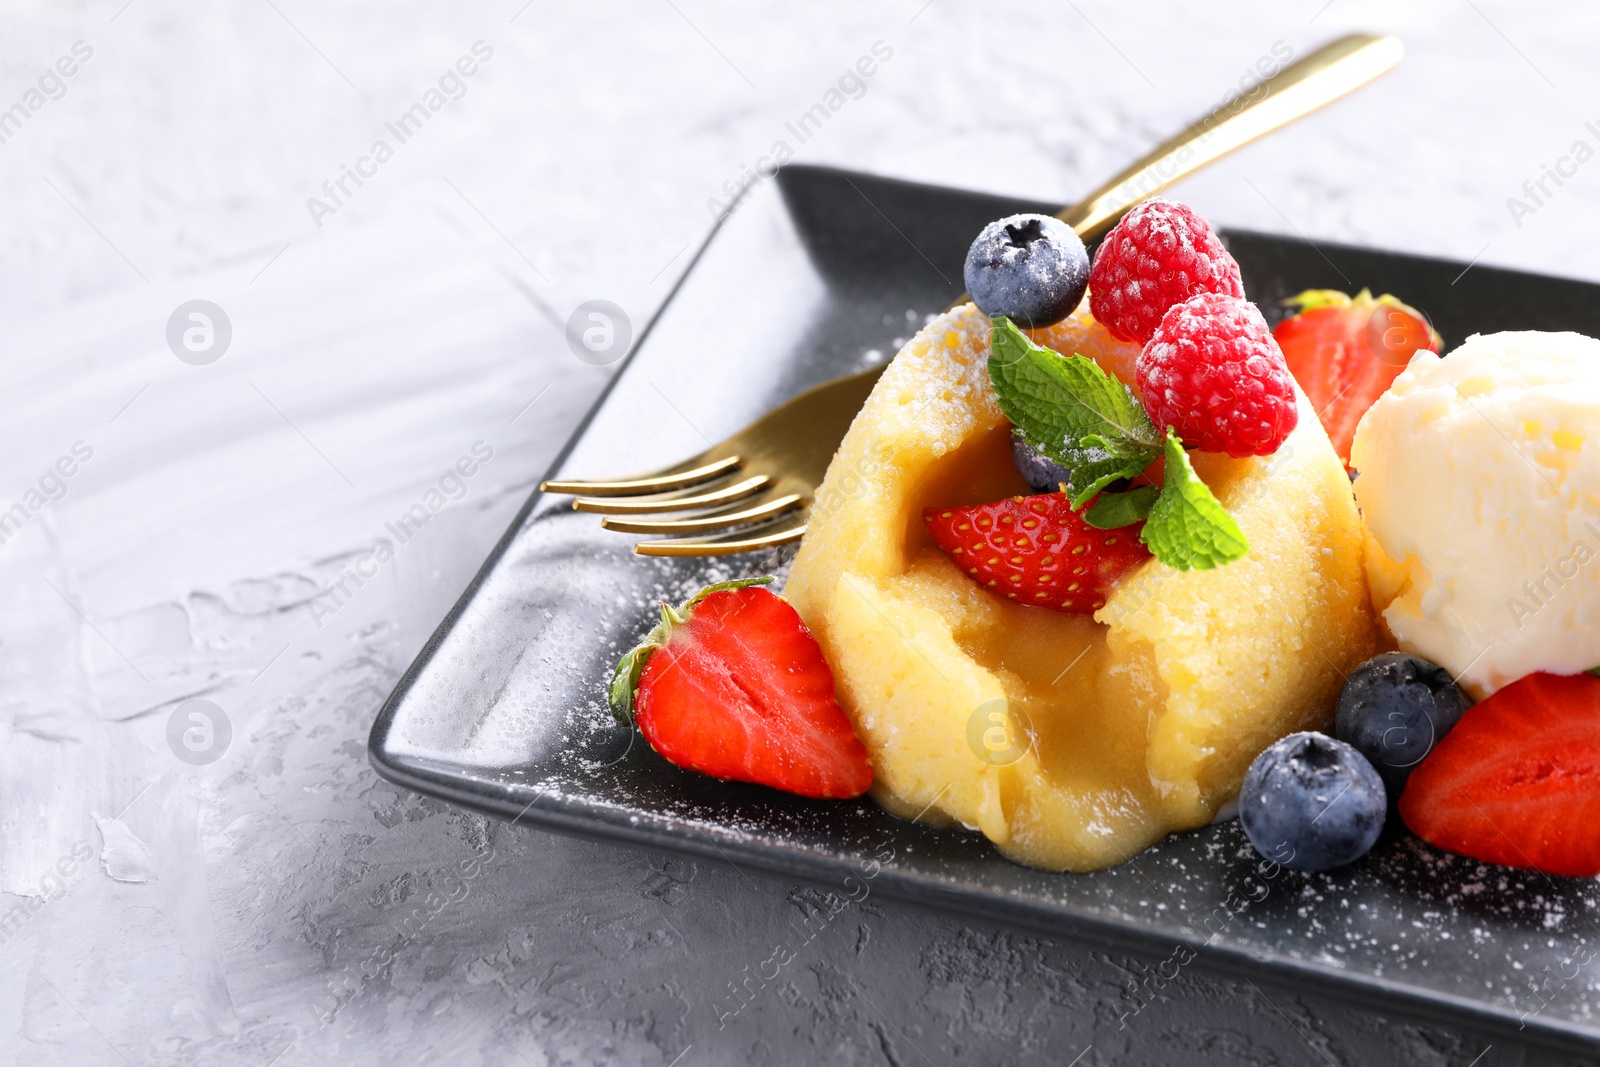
{"points": [[759, 482]]}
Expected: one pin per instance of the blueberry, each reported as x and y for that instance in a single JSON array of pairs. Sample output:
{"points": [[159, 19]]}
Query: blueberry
{"points": [[1394, 708], [1312, 803], [1030, 268], [1043, 474]]}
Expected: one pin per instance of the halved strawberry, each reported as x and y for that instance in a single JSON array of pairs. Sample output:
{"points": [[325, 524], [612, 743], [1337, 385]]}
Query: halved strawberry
{"points": [[1345, 351], [1037, 550], [1517, 781], [733, 685]]}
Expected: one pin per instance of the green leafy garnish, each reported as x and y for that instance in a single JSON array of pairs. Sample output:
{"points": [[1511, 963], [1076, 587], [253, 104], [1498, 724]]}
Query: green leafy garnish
{"points": [[1072, 411], [1095, 427], [1187, 528], [1114, 510]]}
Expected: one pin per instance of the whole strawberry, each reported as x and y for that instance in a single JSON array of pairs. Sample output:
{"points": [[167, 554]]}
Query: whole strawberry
{"points": [[1346, 351], [1037, 550], [1160, 254], [1214, 374], [733, 685]]}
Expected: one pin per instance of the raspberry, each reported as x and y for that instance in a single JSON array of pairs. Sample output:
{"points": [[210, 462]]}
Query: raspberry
{"points": [[1213, 373], [1160, 254]]}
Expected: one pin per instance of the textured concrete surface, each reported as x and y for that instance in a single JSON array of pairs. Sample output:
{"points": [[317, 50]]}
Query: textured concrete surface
{"points": [[279, 904]]}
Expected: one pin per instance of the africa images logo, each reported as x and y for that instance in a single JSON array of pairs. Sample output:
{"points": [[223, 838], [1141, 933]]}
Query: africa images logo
{"points": [[851, 85], [599, 332], [199, 332], [451, 86], [51, 487], [199, 732], [52, 85]]}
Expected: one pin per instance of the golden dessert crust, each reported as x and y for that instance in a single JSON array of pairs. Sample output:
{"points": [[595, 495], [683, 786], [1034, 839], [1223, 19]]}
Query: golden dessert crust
{"points": [[1133, 724]]}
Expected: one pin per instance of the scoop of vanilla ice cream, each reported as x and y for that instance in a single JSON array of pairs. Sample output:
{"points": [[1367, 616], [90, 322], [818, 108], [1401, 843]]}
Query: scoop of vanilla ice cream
{"points": [[1480, 486]]}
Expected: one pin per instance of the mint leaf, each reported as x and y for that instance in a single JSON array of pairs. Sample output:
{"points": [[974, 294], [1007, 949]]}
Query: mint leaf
{"points": [[1072, 411], [1114, 510], [1187, 528]]}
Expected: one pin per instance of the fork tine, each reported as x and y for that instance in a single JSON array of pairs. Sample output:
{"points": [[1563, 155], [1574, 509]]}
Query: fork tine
{"points": [[659, 483], [684, 546], [655, 506], [792, 444], [707, 524]]}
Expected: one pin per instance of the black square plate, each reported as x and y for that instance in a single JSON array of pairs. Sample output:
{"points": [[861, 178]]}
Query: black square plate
{"points": [[823, 272]]}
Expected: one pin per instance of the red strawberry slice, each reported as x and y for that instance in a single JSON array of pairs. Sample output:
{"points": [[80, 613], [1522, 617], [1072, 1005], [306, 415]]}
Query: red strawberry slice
{"points": [[1037, 550], [733, 685], [1517, 782], [1345, 352]]}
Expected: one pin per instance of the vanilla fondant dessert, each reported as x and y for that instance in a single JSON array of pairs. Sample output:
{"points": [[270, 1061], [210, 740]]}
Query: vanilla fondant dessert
{"points": [[1132, 723]]}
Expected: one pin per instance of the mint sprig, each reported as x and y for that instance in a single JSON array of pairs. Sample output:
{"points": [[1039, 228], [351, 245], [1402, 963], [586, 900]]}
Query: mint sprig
{"points": [[1095, 426], [1072, 411], [1187, 528]]}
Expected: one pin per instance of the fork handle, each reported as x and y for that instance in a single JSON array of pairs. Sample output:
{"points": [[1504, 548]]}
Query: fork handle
{"points": [[1298, 89]]}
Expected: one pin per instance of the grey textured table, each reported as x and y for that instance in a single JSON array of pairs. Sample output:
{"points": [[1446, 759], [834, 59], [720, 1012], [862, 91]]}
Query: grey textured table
{"points": [[248, 891]]}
